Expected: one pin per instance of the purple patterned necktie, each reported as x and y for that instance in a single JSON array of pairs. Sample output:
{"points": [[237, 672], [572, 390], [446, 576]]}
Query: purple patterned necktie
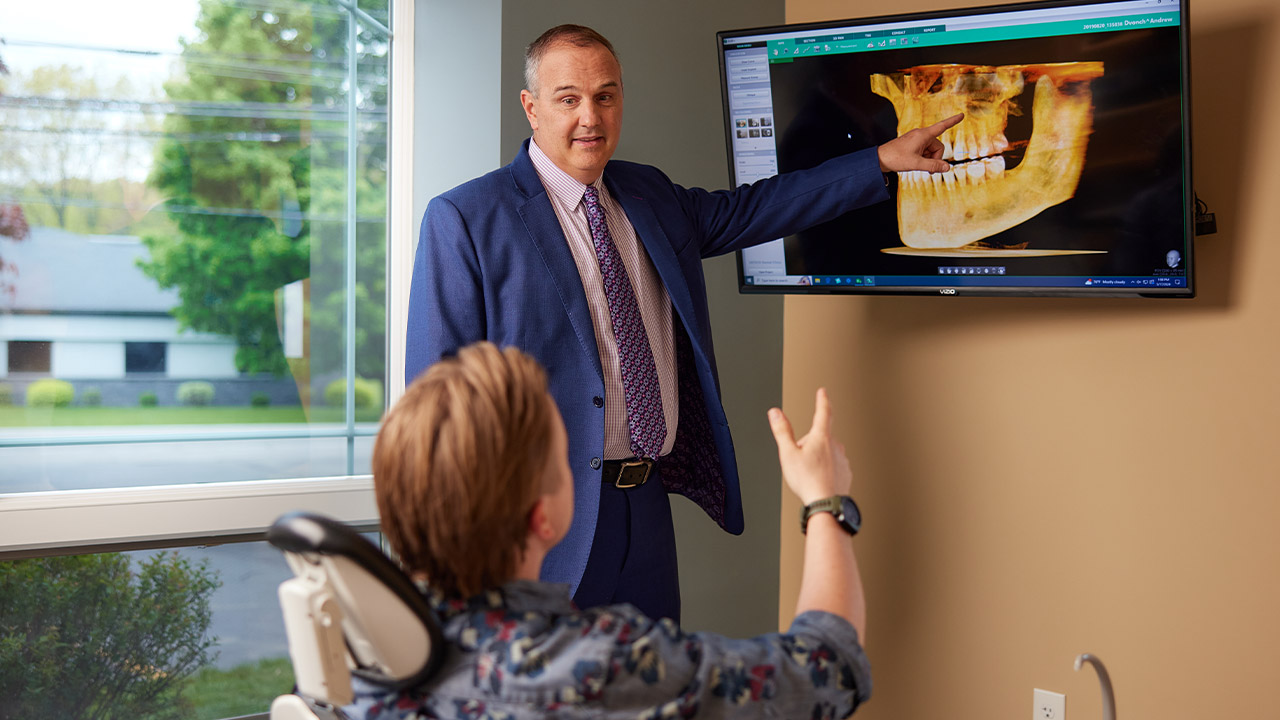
{"points": [[645, 420]]}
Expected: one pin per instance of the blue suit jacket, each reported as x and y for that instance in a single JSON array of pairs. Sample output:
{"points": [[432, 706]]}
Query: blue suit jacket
{"points": [[493, 264]]}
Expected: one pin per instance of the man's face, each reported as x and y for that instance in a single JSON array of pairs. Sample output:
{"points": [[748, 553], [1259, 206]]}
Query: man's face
{"points": [[576, 115]]}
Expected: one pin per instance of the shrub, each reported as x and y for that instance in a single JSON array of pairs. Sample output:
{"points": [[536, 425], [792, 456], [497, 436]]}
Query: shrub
{"points": [[196, 393], [103, 636], [91, 397], [50, 393], [148, 399], [260, 399], [6, 394], [368, 393]]}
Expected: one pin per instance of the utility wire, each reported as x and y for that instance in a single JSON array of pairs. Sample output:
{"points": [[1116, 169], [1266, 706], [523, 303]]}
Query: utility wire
{"points": [[255, 110], [230, 136], [196, 55], [194, 210]]}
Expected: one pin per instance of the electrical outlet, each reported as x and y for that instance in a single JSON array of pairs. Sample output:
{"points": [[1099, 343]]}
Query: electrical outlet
{"points": [[1049, 706]]}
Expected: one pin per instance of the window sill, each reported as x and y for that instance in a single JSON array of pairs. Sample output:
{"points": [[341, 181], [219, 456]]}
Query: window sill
{"points": [[75, 521]]}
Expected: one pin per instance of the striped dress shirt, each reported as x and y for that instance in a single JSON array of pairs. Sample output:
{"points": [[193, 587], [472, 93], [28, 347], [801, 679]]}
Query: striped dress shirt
{"points": [[566, 194]]}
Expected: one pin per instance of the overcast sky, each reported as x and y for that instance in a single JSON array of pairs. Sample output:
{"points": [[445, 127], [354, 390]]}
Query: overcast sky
{"points": [[137, 39], [155, 23], [139, 25]]}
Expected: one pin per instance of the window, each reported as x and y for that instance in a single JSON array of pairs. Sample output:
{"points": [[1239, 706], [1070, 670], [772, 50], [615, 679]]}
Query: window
{"points": [[144, 357], [205, 201], [197, 208], [28, 356]]}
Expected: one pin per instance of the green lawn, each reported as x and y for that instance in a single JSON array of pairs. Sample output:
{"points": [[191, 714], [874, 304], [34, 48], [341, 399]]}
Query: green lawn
{"points": [[88, 416], [243, 690]]}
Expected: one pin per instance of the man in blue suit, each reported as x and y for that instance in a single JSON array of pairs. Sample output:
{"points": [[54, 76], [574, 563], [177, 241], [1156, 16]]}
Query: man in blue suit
{"points": [[594, 267]]}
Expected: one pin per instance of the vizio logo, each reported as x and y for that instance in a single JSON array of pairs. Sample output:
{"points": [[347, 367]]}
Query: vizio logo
{"points": [[948, 291]]}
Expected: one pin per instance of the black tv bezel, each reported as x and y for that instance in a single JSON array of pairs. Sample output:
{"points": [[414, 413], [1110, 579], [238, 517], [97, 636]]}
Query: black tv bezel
{"points": [[962, 290]]}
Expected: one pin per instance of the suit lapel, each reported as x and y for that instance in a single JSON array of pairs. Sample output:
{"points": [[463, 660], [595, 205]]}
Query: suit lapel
{"points": [[658, 245], [547, 236]]}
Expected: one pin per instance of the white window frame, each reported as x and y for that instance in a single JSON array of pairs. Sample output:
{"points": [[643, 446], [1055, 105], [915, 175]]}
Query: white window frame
{"points": [[65, 522]]}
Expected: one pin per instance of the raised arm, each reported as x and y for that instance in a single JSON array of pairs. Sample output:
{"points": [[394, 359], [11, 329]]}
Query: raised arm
{"points": [[816, 467], [815, 669], [774, 207]]}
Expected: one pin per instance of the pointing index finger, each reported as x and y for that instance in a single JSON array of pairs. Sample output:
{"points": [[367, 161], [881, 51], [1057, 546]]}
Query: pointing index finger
{"points": [[943, 125]]}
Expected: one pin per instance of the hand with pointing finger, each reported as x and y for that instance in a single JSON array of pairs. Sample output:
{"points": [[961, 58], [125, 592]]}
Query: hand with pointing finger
{"points": [[918, 149], [815, 466]]}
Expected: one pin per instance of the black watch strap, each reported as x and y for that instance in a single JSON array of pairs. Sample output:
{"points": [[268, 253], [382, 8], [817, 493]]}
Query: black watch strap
{"points": [[841, 507]]}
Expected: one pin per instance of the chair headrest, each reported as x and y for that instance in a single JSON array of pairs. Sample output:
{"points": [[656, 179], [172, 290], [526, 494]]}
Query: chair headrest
{"points": [[386, 620]]}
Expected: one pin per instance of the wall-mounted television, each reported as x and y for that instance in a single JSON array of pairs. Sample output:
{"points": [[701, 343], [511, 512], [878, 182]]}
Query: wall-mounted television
{"points": [[1071, 173]]}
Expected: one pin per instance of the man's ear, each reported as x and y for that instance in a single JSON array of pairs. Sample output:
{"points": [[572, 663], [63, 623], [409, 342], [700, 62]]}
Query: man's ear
{"points": [[526, 99]]}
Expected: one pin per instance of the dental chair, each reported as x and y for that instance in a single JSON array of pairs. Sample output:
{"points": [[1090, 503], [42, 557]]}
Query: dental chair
{"points": [[348, 611]]}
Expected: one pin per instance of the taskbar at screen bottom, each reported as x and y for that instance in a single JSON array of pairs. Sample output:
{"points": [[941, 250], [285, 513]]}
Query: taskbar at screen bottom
{"points": [[975, 282]]}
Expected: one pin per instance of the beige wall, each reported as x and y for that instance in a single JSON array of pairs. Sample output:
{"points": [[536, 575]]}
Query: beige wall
{"points": [[1046, 477]]}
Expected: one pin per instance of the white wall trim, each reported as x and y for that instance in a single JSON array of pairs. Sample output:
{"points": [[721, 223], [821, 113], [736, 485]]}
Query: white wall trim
{"points": [[403, 223], [41, 521]]}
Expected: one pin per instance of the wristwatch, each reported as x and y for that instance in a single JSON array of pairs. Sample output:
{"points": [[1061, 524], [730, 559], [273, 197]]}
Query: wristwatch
{"points": [[842, 507]]}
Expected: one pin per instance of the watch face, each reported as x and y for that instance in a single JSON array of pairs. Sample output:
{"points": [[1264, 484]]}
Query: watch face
{"points": [[852, 519]]}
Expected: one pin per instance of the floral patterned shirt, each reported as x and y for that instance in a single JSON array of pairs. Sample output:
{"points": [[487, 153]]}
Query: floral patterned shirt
{"points": [[524, 652]]}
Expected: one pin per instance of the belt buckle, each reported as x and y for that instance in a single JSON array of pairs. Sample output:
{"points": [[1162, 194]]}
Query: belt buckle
{"points": [[628, 468]]}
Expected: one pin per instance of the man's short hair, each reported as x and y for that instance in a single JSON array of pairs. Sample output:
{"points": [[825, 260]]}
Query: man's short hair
{"points": [[460, 462], [575, 35]]}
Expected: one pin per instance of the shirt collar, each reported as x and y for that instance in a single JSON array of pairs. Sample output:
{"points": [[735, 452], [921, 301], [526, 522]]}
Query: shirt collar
{"points": [[532, 595], [564, 187], [514, 596]]}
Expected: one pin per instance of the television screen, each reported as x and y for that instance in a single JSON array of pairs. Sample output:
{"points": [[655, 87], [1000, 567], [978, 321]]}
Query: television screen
{"points": [[1071, 172]]}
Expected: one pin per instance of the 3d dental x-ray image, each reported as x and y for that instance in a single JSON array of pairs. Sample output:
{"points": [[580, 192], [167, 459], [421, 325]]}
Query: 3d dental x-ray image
{"points": [[1068, 161], [981, 196]]}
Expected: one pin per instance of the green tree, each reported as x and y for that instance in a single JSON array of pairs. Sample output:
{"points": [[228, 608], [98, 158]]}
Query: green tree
{"points": [[254, 171], [50, 134], [94, 637]]}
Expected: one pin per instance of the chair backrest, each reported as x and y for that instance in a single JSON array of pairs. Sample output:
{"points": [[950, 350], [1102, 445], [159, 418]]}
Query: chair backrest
{"points": [[349, 610]]}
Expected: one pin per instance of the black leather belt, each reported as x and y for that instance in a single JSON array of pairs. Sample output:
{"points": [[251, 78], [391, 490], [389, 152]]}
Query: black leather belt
{"points": [[629, 473]]}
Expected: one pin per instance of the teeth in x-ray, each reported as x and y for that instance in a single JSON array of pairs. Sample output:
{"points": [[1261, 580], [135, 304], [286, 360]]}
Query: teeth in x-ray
{"points": [[982, 197]]}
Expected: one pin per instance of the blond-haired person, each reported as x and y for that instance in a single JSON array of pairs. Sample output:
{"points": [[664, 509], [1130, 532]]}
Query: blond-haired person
{"points": [[474, 488]]}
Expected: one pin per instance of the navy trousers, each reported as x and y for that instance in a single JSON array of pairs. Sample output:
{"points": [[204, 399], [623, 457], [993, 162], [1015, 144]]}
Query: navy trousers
{"points": [[633, 556]]}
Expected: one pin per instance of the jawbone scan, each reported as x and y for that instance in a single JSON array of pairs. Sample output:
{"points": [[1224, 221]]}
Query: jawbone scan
{"points": [[979, 197]]}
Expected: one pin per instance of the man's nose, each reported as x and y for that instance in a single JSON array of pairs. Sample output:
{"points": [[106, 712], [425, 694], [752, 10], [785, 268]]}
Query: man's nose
{"points": [[588, 114]]}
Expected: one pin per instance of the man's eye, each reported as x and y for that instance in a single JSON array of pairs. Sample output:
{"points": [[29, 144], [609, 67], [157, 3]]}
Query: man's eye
{"points": [[570, 101], [605, 99]]}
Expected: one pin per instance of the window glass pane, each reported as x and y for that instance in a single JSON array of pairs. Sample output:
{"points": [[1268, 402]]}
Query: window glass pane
{"points": [[63, 467], [193, 201], [186, 633], [377, 9], [28, 356], [144, 357]]}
